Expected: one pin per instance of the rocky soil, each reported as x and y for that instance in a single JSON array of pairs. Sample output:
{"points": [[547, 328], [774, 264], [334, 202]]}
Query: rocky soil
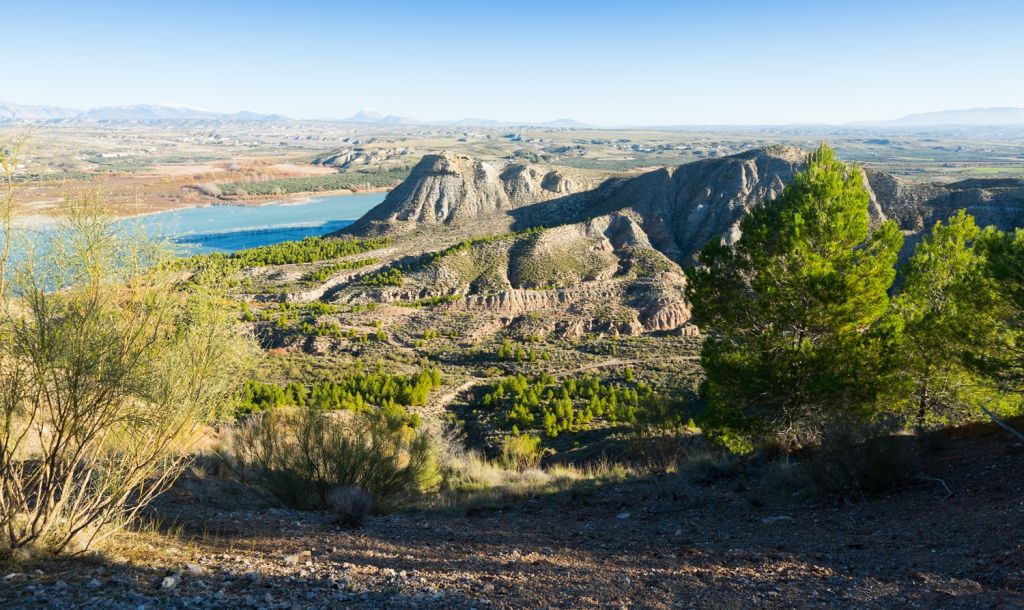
{"points": [[657, 542]]}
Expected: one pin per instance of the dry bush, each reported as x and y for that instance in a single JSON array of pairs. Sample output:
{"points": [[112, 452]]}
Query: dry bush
{"points": [[851, 466], [470, 482], [300, 454], [350, 504], [106, 372], [704, 464]]}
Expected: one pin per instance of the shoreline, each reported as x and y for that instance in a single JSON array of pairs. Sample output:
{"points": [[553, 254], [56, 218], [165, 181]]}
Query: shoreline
{"points": [[35, 220]]}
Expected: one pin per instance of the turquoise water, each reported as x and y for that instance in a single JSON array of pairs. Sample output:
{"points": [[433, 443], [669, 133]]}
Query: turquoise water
{"points": [[226, 228]]}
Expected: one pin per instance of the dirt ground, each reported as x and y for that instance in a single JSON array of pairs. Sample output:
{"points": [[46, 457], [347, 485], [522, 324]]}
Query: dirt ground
{"points": [[658, 542]]}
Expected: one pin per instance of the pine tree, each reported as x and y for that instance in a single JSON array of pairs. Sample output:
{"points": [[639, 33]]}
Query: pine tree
{"points": [[1003, 358], [793, 311], [944, 310]]}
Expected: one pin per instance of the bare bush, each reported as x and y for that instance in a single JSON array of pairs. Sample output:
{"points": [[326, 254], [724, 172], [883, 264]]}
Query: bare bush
{"points": [[350, 504], [851, 466], [106, 373]]}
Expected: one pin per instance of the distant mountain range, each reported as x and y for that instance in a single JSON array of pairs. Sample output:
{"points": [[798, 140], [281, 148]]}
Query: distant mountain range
{"points": [[967, 116], [973, 117], [377, 118], [130, 113], [141, 113]]}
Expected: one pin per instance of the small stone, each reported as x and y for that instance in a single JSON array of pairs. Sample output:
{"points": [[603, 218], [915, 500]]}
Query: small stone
{"points": [[777, 519], [193, 568], [446, 532], [94, 584], [622, 515], [252, 577], [169, 582], [297, 557]]}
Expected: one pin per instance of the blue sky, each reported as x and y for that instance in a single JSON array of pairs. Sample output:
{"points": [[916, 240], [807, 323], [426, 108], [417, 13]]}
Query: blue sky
{"points": [[626, 62]]}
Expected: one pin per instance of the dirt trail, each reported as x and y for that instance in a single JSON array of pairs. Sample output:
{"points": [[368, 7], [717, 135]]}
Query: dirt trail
{"points": [[620, 362]]}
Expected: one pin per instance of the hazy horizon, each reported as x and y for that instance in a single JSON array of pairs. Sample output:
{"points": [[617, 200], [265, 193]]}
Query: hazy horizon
{"points": [[650, 63]]}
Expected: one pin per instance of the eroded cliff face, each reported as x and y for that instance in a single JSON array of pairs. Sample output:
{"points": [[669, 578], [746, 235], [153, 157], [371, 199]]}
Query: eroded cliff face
{"points": [[446, 189], [682, 208]]}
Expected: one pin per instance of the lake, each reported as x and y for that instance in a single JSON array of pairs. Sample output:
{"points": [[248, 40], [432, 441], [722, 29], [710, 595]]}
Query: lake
{"points": [[226, 228]]}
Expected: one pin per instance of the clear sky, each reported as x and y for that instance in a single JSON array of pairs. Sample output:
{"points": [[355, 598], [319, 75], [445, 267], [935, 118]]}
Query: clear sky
{"points": [[622, 62]]}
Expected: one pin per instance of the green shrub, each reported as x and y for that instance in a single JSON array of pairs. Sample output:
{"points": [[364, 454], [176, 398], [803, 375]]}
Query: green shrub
{"points": [[301, 455], [107, 375], [319, 275], [386, 277], [571, 405], [314, 184], [308, 250], [247, 315], [521, 451], [358, 392], [429, 302]]}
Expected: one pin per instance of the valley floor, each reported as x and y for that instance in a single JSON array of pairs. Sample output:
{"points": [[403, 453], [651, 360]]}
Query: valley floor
{"points": [[658, 542]]}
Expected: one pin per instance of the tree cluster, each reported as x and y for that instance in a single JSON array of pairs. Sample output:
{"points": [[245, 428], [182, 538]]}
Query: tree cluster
{"points": [[807, 324]]}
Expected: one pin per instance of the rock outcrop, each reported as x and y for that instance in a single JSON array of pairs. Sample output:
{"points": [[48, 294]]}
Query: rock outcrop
{"points": [[683, 208], [448, 189]]}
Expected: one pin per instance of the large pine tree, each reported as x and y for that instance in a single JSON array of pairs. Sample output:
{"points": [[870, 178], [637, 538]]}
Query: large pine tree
{"points": [[792, 311]]}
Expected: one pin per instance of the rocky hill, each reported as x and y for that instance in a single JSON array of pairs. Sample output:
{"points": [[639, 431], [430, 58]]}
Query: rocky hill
{"points": [[608, 259], [679, 209], [447, 189]]}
